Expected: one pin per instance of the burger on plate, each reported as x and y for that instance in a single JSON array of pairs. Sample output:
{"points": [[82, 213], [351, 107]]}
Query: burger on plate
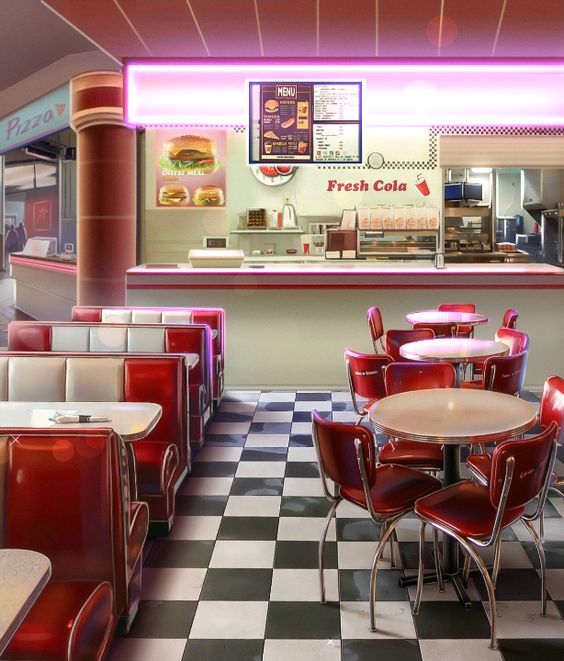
{"points": [[208, 196], [192, 153], [173, 195], [271, 105]]}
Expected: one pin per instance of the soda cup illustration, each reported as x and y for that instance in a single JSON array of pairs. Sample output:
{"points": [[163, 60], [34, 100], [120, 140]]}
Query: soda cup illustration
{"points": [[421, 185]]}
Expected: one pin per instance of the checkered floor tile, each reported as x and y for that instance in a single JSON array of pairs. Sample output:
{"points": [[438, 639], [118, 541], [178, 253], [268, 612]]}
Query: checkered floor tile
{"points": [[237, 578]]}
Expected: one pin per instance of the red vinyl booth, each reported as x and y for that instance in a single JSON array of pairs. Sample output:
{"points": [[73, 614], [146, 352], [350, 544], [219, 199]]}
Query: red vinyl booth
{"points": [[160, 459], [66, 495], [213, 317], [64, 336]]}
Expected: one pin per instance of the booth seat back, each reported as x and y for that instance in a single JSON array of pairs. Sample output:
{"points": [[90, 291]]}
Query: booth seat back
{"points": [[42, 377], [213, 317], [123, 339], [66, 494]]}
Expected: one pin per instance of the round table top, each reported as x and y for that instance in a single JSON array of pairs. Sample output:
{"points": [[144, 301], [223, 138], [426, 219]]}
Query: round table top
{"points": [[440, 317], [452, 416], [453, 350]]}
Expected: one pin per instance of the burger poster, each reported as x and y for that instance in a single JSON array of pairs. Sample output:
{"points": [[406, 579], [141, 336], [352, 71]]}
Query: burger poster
{"points": [[190, 168]]}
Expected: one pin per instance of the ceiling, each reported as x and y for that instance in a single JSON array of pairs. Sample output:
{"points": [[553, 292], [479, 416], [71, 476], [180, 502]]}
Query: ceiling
{"points": [[310, 28]]}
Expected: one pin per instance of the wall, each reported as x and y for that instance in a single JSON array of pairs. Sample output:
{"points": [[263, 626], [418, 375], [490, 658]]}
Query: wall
{"points": [[168, 234]]}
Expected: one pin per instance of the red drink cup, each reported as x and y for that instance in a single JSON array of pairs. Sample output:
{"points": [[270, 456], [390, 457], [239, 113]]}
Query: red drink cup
{"points": [[306, 248], [421, 185]]}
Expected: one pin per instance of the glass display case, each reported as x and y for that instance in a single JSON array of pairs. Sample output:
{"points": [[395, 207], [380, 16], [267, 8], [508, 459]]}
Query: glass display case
{"points": [[391, 244]]}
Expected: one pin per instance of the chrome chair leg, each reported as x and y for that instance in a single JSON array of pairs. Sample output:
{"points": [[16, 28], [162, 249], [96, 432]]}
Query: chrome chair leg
{"points": [[541, 527], [466, 569], [542, 560], [497, 558], [489, 587], [328, 518], [386, 534], [393, 538], [437, 555], [420, 569]]}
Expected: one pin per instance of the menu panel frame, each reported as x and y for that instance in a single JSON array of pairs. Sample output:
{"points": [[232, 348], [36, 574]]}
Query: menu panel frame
{"points": [[288, 125]]}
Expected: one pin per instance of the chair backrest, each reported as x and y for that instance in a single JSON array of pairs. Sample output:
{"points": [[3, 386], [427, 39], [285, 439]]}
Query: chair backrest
{"points": [[517, 341], [336, 451], [396, 337], [533, 459], [65, 494], [457, 307], [552, 405], [375, 324], [365, 372], [439, 329], [505, 374], [403, 377], [509, 318]]}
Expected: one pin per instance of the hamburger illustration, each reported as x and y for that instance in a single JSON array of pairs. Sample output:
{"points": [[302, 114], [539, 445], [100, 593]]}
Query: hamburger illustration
{"points": [[208, 196], [191, 153], [271, 105], [173, 195]]}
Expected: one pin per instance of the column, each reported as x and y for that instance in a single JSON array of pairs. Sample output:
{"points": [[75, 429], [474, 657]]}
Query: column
{"points": [[106, 195]]}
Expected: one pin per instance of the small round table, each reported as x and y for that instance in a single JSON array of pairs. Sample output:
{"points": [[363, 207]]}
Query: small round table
{"points": [[452, 417], [456, 350], [440, 317]]}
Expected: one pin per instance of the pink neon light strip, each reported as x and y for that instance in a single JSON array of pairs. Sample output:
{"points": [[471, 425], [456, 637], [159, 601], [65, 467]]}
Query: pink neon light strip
{"points": [[416, 93]]}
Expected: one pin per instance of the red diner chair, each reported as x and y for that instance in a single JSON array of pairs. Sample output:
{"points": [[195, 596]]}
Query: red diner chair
{"points": [[395, 338], [517, 341], [365, 373], [475, 515], [551, 410], [376, 328], [505, 374], [509, 318], [463, 331], [439, 329], [405, 377], [346, 455]]}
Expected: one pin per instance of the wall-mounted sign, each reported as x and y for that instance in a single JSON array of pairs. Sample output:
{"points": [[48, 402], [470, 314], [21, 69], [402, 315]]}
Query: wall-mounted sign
{"points": [[190, 168], [42, 117], [300, 122]]}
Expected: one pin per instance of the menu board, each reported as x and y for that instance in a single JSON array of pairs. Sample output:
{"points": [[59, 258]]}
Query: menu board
{"points": [[301, 122], [190, 168]]}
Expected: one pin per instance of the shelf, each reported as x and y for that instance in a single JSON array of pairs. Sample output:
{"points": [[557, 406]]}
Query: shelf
{"points": [[418, 232], [459, 212], [259, 231]]}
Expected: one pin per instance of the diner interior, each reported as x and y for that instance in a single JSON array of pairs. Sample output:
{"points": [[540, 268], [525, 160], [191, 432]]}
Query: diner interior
{"points": [[281, 305]]}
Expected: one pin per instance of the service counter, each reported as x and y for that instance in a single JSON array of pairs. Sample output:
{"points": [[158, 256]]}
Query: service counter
{"points": [[45, 287], [288, 324]]}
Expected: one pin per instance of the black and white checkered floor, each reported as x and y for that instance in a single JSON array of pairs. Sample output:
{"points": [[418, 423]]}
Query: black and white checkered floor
{"points": [[237, 580]]}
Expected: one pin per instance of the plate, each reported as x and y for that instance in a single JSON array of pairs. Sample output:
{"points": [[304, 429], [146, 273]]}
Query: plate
{"points": [[274, 175]]}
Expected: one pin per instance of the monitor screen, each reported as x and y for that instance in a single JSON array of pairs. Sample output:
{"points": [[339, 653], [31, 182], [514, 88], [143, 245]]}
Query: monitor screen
{"points": [[302, 122]]}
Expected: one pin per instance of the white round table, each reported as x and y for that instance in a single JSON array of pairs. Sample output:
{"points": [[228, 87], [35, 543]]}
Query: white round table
{"points": [[452, 417], [455, 350], [446, 317]]}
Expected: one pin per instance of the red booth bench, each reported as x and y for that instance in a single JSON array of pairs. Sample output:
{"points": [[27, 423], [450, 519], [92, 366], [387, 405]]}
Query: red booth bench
{"points": [[213, 317], [64, 336], [161, 459], [66, 495]]}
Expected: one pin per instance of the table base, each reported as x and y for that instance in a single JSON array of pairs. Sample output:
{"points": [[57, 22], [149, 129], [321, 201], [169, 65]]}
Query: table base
{"points": [[431, 577]]}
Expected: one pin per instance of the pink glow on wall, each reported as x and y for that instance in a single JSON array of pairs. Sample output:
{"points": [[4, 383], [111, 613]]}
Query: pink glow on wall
{"points": [[481, 93]]}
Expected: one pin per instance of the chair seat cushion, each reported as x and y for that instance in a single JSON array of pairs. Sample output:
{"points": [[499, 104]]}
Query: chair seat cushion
{"points": [[156, 463], [465, 508], [395, 490], [481, 466], [478, 384], [70, 619], [412, 453]]}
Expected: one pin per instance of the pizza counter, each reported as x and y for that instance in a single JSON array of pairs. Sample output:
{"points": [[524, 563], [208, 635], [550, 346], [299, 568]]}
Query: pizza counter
{"points": [[289, 323], [44, 287]]}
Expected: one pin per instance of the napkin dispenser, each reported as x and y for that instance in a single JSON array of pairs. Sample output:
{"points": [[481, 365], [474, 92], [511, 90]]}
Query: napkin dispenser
{"points": [[341, 244]]}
